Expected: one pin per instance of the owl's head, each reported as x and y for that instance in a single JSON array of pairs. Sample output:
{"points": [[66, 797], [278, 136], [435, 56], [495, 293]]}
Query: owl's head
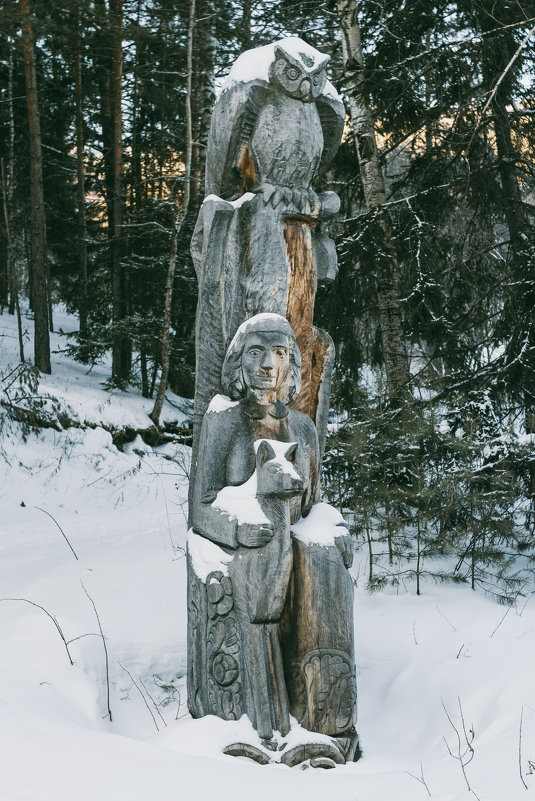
{"points": [[298, 69]]}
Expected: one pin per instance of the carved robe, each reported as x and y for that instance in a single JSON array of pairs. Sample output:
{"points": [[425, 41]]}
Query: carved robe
{"points": [[302, 661]]}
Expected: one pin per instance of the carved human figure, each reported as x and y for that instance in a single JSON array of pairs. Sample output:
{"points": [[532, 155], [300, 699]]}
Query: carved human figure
{"points": [[246, 605]]}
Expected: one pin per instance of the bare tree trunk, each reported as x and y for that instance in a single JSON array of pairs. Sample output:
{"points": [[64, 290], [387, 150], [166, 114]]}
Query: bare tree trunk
{"points": [[10, 261], [38, 221], [394, 354], [202, 97], [145, 391], [158, 403], [429, 125], [245, 27], [4, 275], [121, 346], [11, 274], [80, 186]]}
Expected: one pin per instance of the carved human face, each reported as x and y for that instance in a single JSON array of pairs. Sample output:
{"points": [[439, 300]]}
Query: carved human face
{"points": [[265, 362]]}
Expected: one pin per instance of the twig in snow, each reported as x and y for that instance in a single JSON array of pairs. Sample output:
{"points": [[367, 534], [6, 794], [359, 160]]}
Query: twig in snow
{"points": [[105, 651], [172, 691], [466, 755], [501, 620], [89, 634], [52, 618], [445, 618], [420, 779], [58, 525], [138, 688], [520, 749], [156, 706]]}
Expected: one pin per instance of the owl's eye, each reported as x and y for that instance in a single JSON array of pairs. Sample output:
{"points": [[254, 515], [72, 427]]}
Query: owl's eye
{"points": [[316, 80], [292, 73]]}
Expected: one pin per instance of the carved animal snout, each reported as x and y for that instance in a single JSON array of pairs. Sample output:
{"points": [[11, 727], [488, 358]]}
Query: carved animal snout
{"points": [[295, 486]]}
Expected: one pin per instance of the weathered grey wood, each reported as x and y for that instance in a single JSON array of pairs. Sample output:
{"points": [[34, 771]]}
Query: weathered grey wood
{"points": [[270, 600], [270, 135], [270, 616]]}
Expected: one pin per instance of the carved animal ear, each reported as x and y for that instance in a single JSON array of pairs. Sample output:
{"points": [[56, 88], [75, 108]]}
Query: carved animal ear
{"points": [[264, 453], [289, 454], [280, 53]]}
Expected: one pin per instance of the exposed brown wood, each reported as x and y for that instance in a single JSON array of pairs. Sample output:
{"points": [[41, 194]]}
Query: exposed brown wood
{"points": [[247, 170], [300, 309]]}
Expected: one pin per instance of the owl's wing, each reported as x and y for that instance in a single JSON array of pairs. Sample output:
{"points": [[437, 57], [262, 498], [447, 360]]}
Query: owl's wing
{"points": [[332, 116], [233, 123]]}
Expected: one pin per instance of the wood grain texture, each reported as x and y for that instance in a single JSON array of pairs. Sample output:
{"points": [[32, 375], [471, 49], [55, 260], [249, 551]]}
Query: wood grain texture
{"points": [[270, 631]]}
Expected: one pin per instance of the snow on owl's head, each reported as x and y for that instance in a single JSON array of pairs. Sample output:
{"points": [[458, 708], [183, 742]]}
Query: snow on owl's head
{"points": [[298, 69]]}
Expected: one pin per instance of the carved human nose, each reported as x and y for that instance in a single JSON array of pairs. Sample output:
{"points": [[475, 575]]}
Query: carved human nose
{"points": [[267, 362]]}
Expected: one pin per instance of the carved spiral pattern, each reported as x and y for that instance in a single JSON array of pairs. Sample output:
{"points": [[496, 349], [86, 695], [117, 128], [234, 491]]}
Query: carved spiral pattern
{"points": [[222, 648]]}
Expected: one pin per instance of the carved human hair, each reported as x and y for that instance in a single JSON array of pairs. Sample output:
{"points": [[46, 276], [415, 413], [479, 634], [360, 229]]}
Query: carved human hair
{"points": [[232, 375]]}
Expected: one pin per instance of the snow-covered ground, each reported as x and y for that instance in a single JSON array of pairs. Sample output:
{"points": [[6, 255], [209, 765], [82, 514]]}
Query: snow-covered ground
{"points": [[448, 653]]}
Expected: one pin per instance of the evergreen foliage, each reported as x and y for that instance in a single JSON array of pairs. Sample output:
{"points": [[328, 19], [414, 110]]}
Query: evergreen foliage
{"points": [[440, 485]]}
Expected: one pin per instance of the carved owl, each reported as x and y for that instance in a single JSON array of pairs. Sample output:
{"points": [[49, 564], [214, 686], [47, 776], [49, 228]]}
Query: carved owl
{"points": [[276, 122]]}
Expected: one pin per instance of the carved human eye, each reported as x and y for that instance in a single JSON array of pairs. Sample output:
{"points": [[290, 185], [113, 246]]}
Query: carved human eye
{"points": [[254, 351], [292, 73], [280, 352]]}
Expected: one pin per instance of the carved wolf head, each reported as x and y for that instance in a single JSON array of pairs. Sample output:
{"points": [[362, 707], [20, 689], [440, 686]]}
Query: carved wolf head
{"points": [[275, 472]]}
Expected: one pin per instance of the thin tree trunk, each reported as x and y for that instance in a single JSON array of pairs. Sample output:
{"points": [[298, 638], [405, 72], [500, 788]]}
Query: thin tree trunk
{"points": [[12, 278], [38, 221], [158, 403], [121, 345], [202, 97], [245, 27], [80, 186], [429, 125], [145, 392], [394, 354], [10, 260]]}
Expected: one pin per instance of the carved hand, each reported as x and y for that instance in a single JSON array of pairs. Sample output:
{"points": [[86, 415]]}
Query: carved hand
{"points": [[344, 543], [254, 535]]}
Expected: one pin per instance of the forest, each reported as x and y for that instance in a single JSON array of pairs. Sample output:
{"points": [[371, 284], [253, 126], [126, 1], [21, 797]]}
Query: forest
{"points": [[104, 115]]}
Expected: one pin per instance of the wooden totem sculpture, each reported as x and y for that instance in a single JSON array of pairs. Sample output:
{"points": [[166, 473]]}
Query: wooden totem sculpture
{"points": [[270, 600]]}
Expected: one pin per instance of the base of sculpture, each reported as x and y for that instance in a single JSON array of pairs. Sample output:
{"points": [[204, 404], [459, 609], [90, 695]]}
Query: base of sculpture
{"points": [[325, 753]]}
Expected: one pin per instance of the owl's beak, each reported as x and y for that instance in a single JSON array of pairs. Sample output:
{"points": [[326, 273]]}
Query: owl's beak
{"points": [[306, 90]]}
